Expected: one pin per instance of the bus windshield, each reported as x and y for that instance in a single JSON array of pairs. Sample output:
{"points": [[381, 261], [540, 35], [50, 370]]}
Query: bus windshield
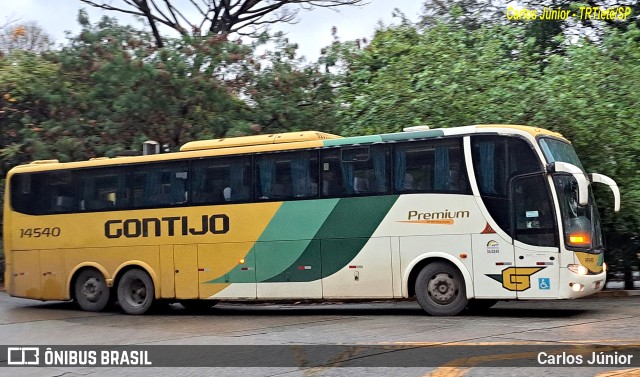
{"points": [[557, 150], [581, 223]]}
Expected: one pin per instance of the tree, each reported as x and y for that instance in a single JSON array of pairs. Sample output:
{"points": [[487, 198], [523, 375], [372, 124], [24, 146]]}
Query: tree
{"points": [[26, 37], [470, 14], [473, 14], [441, 77], [284, 94], [110, 88], [30, 86], [130, 90], [245, 17], [590, 95]]}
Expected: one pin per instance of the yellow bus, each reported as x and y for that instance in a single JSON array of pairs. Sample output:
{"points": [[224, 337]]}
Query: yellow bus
{"points": [[456, 218]]}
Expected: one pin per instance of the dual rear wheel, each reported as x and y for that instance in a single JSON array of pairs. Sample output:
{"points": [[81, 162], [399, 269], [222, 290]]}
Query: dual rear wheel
{"points": [[135, 291]]}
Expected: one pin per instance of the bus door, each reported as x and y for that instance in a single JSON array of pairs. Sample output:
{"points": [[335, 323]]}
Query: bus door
{"points": [[537, 256], [185, 259], [52, 278]]}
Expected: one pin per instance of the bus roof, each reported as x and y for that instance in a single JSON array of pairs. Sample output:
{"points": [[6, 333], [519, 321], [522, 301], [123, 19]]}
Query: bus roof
{"points": [[284, 141], [534, 131], [245, 141]]}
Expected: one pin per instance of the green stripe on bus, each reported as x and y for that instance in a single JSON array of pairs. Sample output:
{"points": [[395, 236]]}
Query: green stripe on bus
{"points": [[412, 135], [298, 220], [349, 227], [289, 234], [352, 140], [345, 231], [286, 237]]}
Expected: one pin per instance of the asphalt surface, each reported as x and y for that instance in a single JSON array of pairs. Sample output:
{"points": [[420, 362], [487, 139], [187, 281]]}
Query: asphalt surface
{"points": [[513, 333]]}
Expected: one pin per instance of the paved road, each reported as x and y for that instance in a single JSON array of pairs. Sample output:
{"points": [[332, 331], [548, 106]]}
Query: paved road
{"points": [[509, 325]]}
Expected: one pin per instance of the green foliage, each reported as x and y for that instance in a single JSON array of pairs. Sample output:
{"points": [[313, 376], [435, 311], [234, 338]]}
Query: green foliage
{"points": [[288, 96], [591, 96], [110, 88], [129, 90], [441, 77], [30, 87]]}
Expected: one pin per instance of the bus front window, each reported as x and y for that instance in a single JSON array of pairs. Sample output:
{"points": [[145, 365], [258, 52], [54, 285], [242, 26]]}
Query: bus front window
{"points": [[581, 223]]}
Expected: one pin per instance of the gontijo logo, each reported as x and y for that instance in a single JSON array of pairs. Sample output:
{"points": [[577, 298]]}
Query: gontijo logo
{"points": [[445, 217], [166, 226], [516, 278]]}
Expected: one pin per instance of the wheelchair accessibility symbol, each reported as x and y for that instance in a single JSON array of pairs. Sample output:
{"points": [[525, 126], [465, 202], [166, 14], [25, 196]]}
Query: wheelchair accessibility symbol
{"points": [[544, 283]]}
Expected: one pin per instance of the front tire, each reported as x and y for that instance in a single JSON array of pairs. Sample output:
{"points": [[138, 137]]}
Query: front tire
{"points": [[91, 291], [440, 289], [136, 292]]}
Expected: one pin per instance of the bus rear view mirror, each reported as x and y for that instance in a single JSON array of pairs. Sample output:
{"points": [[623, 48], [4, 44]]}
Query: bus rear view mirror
{"points": [[578, 174], [599, 178]]}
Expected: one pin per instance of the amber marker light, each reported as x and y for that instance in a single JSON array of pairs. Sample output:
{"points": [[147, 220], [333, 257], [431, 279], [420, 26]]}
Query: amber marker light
{"points": [[241, 261], [463, 256], [580, 239]]}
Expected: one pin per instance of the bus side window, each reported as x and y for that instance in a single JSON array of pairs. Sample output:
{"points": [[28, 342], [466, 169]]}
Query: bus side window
{"points": [[161, 185], [332, 184], [496, 159], [289, 175], [44, 193], [221, 180], [103, 189], [352, 171], [23, 197], [61, 192], [430, 166]]}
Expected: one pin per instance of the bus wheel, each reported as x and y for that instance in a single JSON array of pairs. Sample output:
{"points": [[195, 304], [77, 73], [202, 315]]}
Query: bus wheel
{"points": [[198, 305], [440, 289], [135, 292], [91, 291]]}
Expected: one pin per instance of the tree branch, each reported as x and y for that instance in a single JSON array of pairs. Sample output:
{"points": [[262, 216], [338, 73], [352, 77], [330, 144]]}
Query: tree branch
{"points": [[224, 15]]}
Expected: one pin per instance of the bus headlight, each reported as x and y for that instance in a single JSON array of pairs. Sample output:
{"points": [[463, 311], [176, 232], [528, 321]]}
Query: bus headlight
{"points": [[578, 269]]}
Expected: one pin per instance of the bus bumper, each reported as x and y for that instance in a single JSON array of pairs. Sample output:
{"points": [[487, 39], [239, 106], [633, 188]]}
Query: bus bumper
{"points": [[582, 285]]}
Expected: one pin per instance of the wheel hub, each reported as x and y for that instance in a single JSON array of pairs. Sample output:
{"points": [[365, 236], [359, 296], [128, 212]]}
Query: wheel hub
{"points": [[442, 288], [91, 289], [138, 293]]}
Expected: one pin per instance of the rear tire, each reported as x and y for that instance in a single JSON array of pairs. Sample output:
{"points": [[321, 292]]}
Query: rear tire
{"points": [[135, 292], [91, 291], [440, 289]]}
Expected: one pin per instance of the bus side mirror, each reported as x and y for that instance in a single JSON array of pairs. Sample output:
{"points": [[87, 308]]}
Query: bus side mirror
{"points": [[599, 178], [578, 174]]}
